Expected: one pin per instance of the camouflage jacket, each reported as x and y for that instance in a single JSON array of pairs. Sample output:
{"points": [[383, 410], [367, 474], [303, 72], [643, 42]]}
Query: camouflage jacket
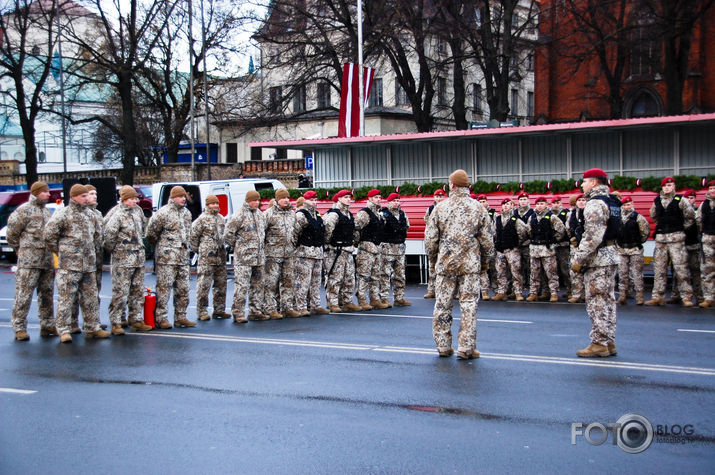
{"points": [[169, 230], [309, 252], [643, 228], [280, 225], [245, 233], [25, 228], [698, 215], [331, 220], [458, 235], [99, 222], [688, 218], [362, 219], [589, 252], [207, 236], [72, 233], [520, 212], [392, 249], [542, 250], [123, 236]]}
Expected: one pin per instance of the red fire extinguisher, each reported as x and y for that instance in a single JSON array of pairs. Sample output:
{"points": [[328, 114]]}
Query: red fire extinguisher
{"points": [[150, 308]]}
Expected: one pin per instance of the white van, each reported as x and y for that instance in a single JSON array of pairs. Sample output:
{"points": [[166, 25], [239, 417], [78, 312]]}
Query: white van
{"points": [[231, 194]]}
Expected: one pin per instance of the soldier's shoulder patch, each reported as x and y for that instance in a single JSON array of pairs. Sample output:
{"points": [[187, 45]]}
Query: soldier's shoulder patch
{"points": [[676, 198], [513, 218], [547, 217]]}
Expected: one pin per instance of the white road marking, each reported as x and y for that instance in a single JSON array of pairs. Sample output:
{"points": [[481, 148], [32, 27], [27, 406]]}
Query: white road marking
{"points": [[17, 391], [695, 331], [425, 317]]}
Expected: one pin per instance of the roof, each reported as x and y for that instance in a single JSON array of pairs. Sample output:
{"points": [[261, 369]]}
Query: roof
{"points": [[497, 132]]}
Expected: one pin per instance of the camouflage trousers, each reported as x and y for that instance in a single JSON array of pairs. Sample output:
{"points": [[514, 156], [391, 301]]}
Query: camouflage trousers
{"points": [[205, 276], [679, 257], [127, 290], [525, 263], [601, 303], [367, 268], [308, 273], [75, 305], [563, 256], [707, 267], [549, 267], [576, 282], [248, 281], [506, 262], [630, 273], [77, 286], [278, 276], [170, 277], [26, 281], [696, 281], [446, 287], [393, 276], [431, 277], [341, 281]]}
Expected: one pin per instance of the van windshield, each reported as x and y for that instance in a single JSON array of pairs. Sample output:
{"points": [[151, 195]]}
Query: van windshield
{"points": [[263, 186], [193, 198]]}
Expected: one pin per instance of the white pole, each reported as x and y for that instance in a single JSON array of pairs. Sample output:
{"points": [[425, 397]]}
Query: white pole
{"points": [[361, 92]]}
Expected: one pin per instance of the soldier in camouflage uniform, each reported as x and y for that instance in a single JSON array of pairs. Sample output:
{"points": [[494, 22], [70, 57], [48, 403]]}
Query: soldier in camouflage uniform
{"points": [[369, 223], [35, 268], [489, 278], [634, 233], [393, 252], [245, 233], [72, 233], [671, 215], [99, 246], [692, 247], [339, 264], [562, 250], [123, 233], [545, 230], [279, 269], [458, 236], [524, 212], [309, 234], [438, 198], [706, 222], [509, 232], [169, 230], [207, 237], [597, 257], [575, 227]]}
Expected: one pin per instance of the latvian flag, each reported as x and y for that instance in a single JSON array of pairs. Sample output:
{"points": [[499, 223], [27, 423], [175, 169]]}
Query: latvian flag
{"points": [[349, 124]]}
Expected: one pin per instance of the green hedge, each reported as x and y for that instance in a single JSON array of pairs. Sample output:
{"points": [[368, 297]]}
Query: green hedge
{"points": [[618, 182]]}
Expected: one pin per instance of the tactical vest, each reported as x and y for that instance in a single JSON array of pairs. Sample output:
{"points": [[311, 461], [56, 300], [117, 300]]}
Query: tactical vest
{"points": [[542, 233], [313, 235], [614, 224], [429, 210], [506, 236], [529, 214], [670, 219], [344, 228], [563, 214], [630, 235], [372, 232], [491, 213], [576, 224], [395, 232], [692, 236], [708, 218]]}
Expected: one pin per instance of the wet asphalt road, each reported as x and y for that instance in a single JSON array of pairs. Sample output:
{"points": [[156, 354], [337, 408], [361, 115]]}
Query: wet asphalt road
{"points": [[357, 393]]}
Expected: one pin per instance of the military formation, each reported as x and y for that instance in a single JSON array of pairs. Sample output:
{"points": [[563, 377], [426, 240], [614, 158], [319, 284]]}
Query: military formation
{"points": [[282, 256]]}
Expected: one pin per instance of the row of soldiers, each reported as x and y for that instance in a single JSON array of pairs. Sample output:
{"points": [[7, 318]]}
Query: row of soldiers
{"points": [[536, 247]]}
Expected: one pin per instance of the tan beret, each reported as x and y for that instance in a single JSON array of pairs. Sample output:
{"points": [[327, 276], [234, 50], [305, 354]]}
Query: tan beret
{"points": [[38, 187], [90, 188], [282, 193], [177, 191], [252, 196], [127, 192], [77, 190], [459, 178], [211, 199]]}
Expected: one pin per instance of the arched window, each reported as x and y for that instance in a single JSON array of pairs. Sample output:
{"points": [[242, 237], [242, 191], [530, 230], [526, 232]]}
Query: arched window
{"points": [[643, 102]]}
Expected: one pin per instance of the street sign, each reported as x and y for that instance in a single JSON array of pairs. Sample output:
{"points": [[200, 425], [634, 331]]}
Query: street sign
{"points": [[308, 163]]}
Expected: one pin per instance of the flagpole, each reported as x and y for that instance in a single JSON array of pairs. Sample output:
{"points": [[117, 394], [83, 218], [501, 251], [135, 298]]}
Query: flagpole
{"points": [[361, 92], [62, 96], [191, 93]]}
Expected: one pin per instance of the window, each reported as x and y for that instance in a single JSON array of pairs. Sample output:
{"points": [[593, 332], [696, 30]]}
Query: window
{"points": [[401, 98], [323, 95], [276, 100], [375, 99], [299, 99], [514, 106], [530, 62], [645, 51], [514, 61], [441, 91], [477, 98], [530, 104], [441, 46]]}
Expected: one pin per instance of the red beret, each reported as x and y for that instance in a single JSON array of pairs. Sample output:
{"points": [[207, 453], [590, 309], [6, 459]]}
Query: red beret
{"points": [[482, 197], [668, 179], [340, 194], [555, 199], [473, 196], [505, 200], [627, 199], [579, 196], [309, 195], [441, 192], [689, 192], [523, 194], [373, 192], [540, 199], [393, 196], [710, 183], [595, 173]]}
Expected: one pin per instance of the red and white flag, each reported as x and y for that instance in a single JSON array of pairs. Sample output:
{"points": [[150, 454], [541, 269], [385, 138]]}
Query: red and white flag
{"points": [[349, 123]]}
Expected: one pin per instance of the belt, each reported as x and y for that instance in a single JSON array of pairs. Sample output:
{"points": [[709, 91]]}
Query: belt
{"points": [[631, 246], [611, 242]]}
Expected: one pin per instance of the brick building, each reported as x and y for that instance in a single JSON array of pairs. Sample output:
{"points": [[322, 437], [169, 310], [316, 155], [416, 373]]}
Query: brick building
{"points": [[572, 83]]}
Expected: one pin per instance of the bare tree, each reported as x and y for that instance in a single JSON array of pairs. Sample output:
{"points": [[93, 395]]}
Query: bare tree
{"points": [[26, 49]]}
